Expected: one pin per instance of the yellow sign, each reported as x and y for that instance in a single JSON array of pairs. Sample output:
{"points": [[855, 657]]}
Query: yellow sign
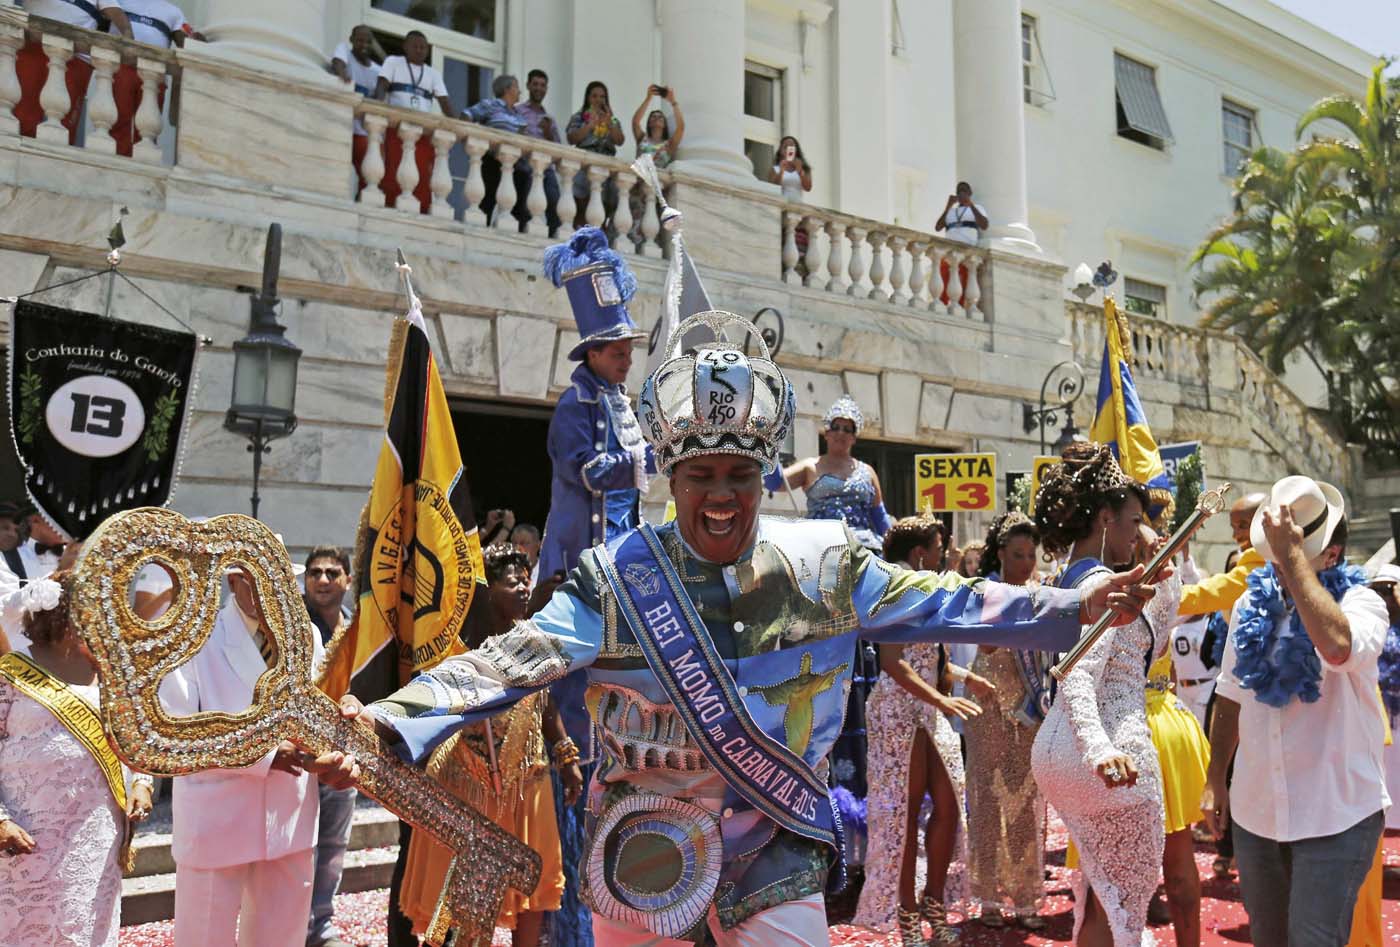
{"points": [[1039, 464], [962, 483]]}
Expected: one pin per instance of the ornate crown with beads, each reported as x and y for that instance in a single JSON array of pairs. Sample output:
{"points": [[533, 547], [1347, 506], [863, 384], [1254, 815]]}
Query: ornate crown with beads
{"points": [[716, 399]]}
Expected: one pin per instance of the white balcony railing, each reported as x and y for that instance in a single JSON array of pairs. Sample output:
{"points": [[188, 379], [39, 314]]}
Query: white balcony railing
{"points": [[827, 250], [605, 176], [121, 84]]}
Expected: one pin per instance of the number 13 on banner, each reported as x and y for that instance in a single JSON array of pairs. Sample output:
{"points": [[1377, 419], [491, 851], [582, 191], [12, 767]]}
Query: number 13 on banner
{"points": [[946, 483]]}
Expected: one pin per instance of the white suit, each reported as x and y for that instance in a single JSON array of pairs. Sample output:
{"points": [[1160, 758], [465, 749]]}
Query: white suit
{"points": [[243, 839]]}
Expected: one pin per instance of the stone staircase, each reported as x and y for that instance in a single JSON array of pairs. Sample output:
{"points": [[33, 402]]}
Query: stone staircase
{"points": [[149, 893]]}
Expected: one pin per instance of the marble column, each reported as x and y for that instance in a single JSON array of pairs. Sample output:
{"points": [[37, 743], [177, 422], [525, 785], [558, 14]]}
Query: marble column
{"points": [[991, 129], [702, 48], [291, 33]]}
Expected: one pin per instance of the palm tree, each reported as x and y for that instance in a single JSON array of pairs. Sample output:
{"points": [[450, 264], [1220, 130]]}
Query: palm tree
{"points": [[1266, 271], [1367, 272], [1310, 261]]}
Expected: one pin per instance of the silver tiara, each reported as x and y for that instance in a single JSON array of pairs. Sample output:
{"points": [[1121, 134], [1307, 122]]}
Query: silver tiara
{"points": [[716, 399], [844, 407]]}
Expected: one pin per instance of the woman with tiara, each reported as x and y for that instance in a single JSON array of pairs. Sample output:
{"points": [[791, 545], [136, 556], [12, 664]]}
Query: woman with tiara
{"points": [[840, 487], [1093, 758], [914, 752], [1006, 868]]}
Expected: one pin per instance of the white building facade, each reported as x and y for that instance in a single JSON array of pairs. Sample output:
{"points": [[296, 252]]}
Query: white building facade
{"points": [[1089, 130]]}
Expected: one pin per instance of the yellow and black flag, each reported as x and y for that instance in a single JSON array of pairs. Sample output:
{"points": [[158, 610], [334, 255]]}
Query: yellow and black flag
{"points": [[418, 557]]}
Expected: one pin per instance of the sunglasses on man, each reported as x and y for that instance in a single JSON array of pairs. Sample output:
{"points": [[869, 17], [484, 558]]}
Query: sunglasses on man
{"points": [[332, 573]]}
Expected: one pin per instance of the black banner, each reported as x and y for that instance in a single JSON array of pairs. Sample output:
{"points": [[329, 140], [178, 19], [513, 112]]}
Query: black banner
{"points": [[97, 410]]}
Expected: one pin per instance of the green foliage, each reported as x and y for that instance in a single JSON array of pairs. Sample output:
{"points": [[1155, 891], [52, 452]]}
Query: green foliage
{"points": [[157, 437], [1020, 496], [1310, 260], [1190, 481], [31, 407]]}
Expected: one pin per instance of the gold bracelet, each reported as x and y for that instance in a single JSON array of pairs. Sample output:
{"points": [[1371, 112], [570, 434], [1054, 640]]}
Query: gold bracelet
{"points": [[565, 752]]}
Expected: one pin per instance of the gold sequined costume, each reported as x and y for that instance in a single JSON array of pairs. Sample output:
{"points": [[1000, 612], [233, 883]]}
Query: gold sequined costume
{"points": [[1006, 814], [524, 807]]}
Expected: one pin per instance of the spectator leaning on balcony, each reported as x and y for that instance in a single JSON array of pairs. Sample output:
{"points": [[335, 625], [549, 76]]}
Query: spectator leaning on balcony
{"points": [[408, 82], [32, 63], [963, 219], [540, 124], [158, 23], [594, 128], [356, 63], [500, 113]]}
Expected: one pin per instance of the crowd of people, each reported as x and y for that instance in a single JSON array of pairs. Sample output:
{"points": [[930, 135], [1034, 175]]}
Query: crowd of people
{"points": [[863, 665]]}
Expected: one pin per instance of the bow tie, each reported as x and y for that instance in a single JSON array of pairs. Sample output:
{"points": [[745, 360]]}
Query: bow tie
{"points": [[41, 550]]}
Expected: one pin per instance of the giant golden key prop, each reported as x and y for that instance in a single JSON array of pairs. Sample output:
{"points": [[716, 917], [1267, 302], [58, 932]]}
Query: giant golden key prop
{"points": [[134, 655]]}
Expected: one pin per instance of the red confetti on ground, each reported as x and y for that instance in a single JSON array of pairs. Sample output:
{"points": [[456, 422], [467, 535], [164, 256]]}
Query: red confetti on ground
{"points": [[360, 917]]}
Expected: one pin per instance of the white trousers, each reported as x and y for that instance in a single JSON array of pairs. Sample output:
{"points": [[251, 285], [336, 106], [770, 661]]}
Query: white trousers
{"points": [[792, 924], [261, 904]]}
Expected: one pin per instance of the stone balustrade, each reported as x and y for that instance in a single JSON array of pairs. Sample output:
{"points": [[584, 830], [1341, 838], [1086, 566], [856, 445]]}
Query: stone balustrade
{"points": [[122, 83], [1206, 366], [615, 196], [1161, 351], [867, 259]]}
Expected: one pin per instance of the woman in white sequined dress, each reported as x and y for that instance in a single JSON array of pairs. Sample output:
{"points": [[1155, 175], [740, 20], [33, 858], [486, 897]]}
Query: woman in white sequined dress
{"points": [[61, 830], [1093, 758], [914, 750]]}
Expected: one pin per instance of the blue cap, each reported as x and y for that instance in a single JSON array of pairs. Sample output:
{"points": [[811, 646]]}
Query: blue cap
{"points": [[599, 286]]}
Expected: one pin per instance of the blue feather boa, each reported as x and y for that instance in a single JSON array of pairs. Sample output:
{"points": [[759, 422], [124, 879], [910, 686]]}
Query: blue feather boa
{"points": [[1280, 663], [1389, 667]]}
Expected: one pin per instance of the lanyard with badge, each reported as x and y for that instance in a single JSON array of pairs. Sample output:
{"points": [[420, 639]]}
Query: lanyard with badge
{"points": [[417, 83]]}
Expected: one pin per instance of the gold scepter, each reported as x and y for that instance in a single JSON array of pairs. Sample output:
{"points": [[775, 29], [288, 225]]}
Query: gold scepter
{"points": [[1211, 502]]}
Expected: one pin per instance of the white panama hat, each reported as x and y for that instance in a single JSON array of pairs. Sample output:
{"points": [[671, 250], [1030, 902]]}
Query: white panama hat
{"points": [[1316, 506]]}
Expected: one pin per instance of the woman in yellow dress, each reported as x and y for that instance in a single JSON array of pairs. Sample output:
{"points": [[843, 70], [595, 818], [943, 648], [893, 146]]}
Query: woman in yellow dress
{"points": [[1184, 754], [515, 792]]}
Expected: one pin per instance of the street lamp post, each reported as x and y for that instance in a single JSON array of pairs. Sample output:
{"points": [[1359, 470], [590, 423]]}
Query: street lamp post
{"points": [[262, 407], [1068, 380]]}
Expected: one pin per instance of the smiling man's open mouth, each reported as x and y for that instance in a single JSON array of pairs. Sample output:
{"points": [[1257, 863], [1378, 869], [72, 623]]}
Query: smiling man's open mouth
{"points": [[718, 522]]}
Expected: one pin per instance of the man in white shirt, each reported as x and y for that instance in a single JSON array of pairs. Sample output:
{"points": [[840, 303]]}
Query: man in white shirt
{"points": [[158, 23], [243, 839], [32, 63], [1309, 795], [963, 219], [354, 64], [408, 82]]}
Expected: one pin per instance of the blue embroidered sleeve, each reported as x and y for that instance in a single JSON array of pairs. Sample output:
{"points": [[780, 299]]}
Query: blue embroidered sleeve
{"points": [[900, 606], [575, 445], [563, 637]]}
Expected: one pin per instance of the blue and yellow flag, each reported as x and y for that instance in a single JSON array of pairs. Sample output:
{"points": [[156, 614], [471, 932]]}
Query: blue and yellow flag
{"points": [[418, 559], [1120, 422]]}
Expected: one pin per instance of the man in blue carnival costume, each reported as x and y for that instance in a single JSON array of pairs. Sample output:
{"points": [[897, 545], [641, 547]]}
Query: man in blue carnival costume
{"points": [[718, 650], [1297, 695], [601, 467], [601, 462]]}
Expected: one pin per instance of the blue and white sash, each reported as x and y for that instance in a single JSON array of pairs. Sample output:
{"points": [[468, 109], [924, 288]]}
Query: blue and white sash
{"points": [[410, 89], [89, 8], [678, 648], [159, 25]]}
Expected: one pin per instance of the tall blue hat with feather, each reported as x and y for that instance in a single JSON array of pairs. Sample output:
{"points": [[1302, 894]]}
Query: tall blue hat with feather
{"points": [[599, 285]]}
